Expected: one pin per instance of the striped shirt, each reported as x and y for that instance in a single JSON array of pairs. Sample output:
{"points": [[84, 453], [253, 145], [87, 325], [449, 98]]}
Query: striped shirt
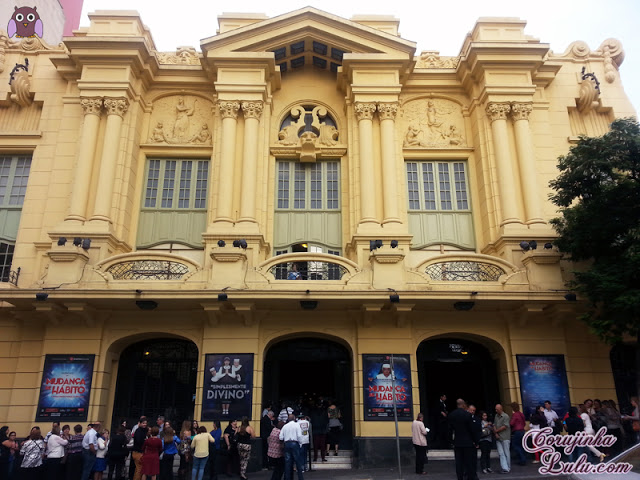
{"points": [[75, 444]]}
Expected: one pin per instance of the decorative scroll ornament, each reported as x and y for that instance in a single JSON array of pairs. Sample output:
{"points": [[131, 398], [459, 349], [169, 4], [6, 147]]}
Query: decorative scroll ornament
{"points": [[365, 111], [4, 43], [521, 111], [116, 106], [91, 106], [20, 84], [387, 111], [229, 109], [432, 59], [432, 123], [290, 134], [498, 111], [252, 109], [589, 96], [327, 134], [613, 54], [578, 49], [183, 56]]}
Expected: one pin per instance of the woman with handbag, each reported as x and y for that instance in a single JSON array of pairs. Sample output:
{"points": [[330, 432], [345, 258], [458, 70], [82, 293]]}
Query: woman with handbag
{"points": [[184, 450], [170, 444], [335, 427], [230, 440], [32, 451]]}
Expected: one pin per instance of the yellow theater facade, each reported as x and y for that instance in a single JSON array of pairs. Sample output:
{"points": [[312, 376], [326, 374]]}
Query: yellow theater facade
{"points": [[308, 196]]}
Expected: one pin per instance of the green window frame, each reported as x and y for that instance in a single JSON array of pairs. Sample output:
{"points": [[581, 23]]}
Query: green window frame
{"points": [[437, 186], [308, 186], [176, 184]]}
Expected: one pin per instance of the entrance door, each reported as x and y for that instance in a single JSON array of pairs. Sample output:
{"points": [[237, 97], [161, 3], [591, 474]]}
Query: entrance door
{"points": [[156, 377], [456, 368], [302, 370]]}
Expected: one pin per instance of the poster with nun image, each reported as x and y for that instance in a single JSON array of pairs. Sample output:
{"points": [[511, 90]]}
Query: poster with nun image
{"points": [[384, 375], [65, 388], [542, 378], [228, 386]]}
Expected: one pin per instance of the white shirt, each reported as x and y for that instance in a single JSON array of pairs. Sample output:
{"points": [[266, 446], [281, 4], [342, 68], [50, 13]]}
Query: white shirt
{"points": [[291, 432], [55, 446], [304, 427], [551, 417], [90, 437], [102, 448], [588, 426]]}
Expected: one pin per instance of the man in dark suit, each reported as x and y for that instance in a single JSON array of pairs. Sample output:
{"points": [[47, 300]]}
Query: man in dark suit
{"points": [[465, 441], [443, 423]]}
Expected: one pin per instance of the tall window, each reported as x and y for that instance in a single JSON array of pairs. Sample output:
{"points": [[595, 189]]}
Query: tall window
{"points": [[14, 174], [176, 184], [437, 186], [302, 186]]}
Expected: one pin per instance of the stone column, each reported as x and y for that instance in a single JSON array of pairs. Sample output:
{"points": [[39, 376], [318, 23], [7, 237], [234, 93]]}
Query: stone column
{"points": [[252, 112], [364, 114], [229, 113], [527, 162], [498, 114], [387, 114], [116, 108], [82, 179]]}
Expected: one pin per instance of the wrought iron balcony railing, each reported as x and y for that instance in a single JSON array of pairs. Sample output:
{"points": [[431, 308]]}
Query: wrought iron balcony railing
{"points": [[464, 271], [148, 270], [310, 270]]}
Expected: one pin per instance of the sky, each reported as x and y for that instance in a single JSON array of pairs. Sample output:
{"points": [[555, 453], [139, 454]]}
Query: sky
{"points": [[440, 26]]}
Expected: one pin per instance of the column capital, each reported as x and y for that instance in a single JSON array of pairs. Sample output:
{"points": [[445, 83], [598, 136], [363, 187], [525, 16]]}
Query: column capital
{"points": [[229, 109], [116, 106], [252, 109], [387, 110], [365, 111], [521, 111], [498, 111], [91, 105]]}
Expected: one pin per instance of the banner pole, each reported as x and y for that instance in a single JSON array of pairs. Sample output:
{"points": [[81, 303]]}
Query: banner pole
{"points": [[395, 414]]}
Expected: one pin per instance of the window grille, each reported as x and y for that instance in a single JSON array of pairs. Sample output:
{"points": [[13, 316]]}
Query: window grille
{"points": [[148, 270], [464, 271]]}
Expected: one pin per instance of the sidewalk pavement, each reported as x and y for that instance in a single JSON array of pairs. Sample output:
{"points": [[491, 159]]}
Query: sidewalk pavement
{"points": [[436, 470]]}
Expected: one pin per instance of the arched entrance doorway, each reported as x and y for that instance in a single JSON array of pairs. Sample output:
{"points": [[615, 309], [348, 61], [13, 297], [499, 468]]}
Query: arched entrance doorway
{"points": [[457, 368], [156, 377], [302, 370]]}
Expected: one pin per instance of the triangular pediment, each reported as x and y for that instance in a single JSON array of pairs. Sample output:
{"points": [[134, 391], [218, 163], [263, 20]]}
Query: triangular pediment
{"points": [[308, 37]]}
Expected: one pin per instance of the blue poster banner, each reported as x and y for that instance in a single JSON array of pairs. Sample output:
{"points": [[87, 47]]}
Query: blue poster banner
{"points": [[542, 378], [228, 386], [380, 380], [65, 388]]}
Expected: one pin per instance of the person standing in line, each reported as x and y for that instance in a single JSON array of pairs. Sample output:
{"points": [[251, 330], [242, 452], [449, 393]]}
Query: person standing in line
{"points": [[335, 427], [200, 447], [89, 450], [151, 449], [552, 418], [538, 421], [283, 416], [266, 425], [233, 459], [276, 452], [170, 443], [184, 450], [244, 435], [139, 437], [54, 452], [465, 441], [634, 417], [101, 455], [214, 450], [74, 454], [517, 423], [305, 426], [443, 423], [5, 452], [485, 443], [503, 438], [32, 451], [588, 428], [291, 435], [53, 425], [160, 423], [319, 426], [614, 425], [419, 437], [574, 425], [14, 449], [117, 453]]}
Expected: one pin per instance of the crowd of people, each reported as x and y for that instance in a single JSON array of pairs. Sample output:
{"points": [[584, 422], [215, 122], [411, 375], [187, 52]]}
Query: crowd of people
{"points": [[151, 449], [469, 431]]}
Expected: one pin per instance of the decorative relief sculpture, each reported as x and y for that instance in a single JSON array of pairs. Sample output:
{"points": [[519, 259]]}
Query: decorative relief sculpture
{"points": [[252, 109], [116, 106], [498, 111], [4, 43], [365, 111], [387, 111], [521, 111], [589, 95], [91, 105], [20, 84], [183, 56], [307, 133], [613, 54], [183, 120], [229, 109], [432, 123], [432, 59]]}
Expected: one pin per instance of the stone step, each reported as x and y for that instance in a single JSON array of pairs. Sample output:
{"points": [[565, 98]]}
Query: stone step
{"points": [[343, 461], [449, 455]]}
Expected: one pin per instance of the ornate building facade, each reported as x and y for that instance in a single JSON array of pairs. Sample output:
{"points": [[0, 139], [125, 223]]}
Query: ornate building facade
{"points": [[156, 207]]}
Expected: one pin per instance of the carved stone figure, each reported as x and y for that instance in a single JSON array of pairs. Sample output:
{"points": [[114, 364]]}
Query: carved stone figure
{"points": [[158, 134], [289, 133], [432, 123], [181, 127], [183, 56], [203, 136], [432, 59]]}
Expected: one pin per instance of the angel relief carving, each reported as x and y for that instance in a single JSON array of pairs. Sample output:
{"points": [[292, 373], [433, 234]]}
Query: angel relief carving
{"points": [[434, 123], [180, 121]]}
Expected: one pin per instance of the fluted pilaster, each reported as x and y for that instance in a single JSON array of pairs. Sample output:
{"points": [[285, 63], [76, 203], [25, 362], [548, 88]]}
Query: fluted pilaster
{"points": [[364, 114], [229, 112], [387, 114], [252, 112]]}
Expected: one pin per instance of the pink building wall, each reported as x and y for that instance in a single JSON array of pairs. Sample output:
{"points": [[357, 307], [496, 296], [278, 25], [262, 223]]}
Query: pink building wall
{"points": [[72, 12]]}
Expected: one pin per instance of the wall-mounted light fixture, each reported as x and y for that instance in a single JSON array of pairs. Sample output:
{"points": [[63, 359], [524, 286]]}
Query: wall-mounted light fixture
{"points": [[146, 304], [463, 306], [221, 243], [42, 296], [62, 241], [394, 297]]}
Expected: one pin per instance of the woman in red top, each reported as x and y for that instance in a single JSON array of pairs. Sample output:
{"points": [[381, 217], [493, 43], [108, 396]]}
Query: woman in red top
{"points": [[151, 449]]}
